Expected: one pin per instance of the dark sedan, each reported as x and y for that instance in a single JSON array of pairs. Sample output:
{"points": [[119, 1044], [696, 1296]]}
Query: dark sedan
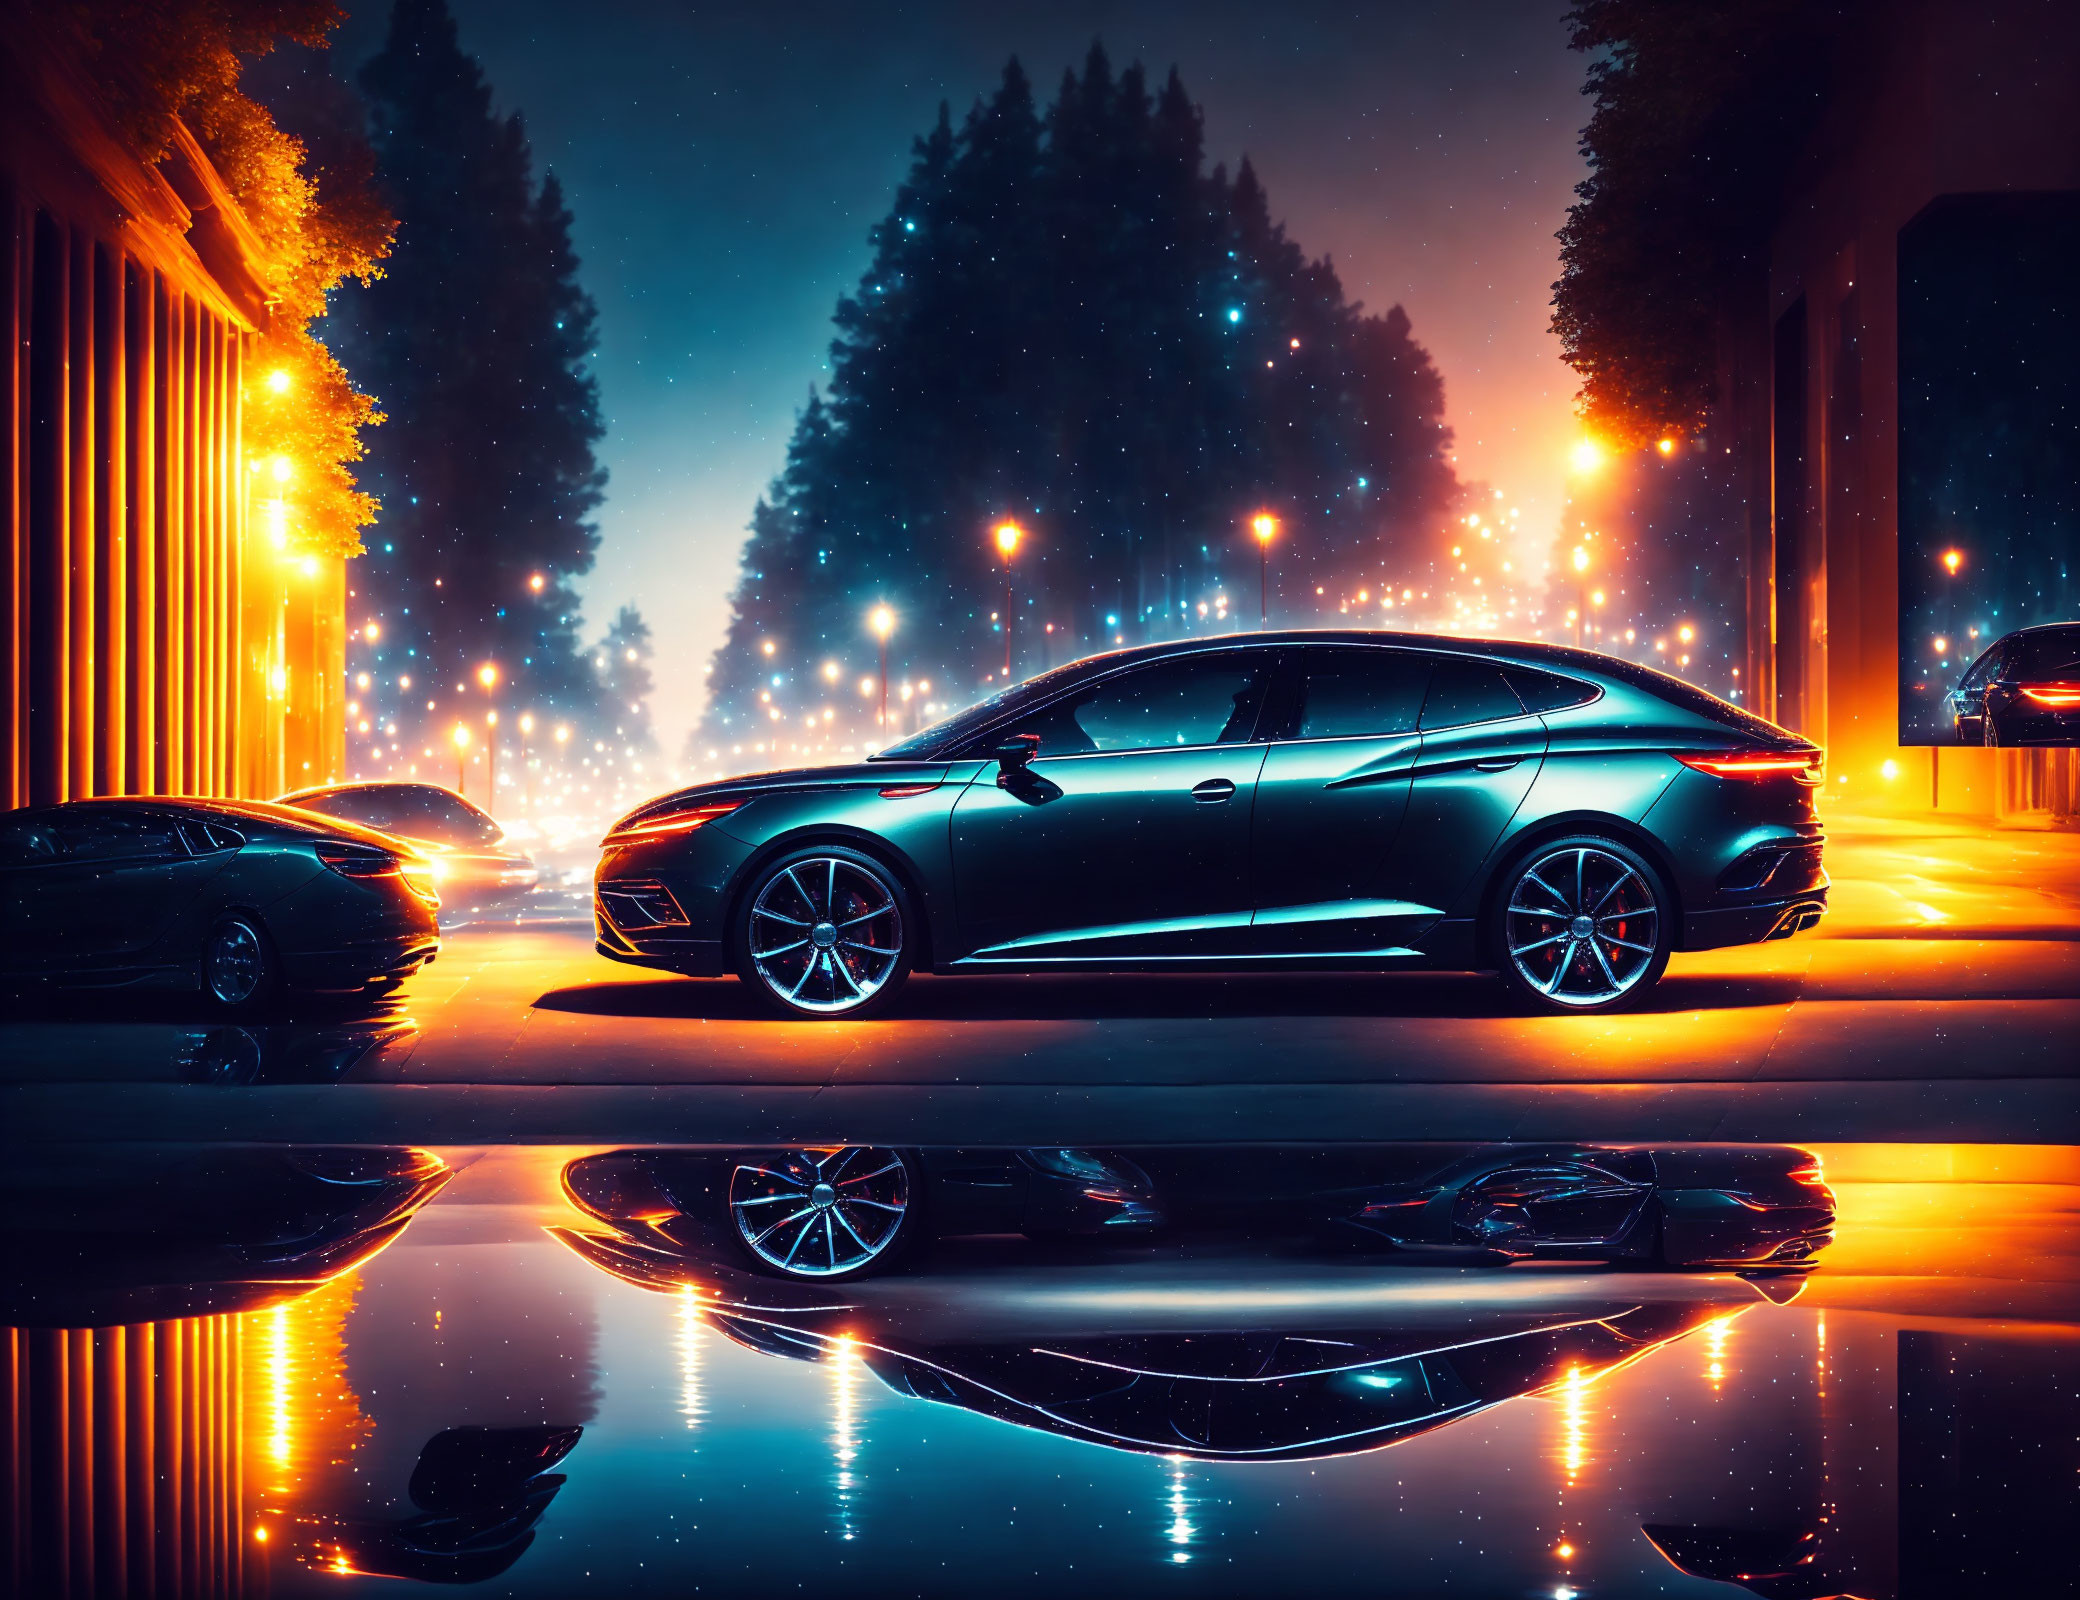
{"points": [[237, 898], [1347, 801], [2024, 689], [473, 865]]}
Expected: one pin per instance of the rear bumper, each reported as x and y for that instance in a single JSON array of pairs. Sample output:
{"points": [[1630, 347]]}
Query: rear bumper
{"points": [[353, 967], [1752, 924]]}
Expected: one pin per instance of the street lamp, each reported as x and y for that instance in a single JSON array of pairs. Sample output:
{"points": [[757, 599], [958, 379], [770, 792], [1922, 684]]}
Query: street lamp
{"points": [[883, 623], [1008, 534], [1265, 526], [487, 675], [461, 737]]}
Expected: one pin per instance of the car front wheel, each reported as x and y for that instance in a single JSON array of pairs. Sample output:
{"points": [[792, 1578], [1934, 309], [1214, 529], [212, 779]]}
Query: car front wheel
{"points": [[1583, 924], [825, 932], [238, 965]]}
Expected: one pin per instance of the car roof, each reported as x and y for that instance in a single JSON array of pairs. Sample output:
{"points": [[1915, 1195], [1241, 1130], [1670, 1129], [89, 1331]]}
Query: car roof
{"points": [[288, 818]]}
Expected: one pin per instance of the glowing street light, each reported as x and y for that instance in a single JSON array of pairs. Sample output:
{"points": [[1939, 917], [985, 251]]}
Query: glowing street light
{"points": [[278, 381], [1666, 446], [487, 675], [461, 738], [1586, 456], [882, 622], [1007, 535], [1952, 561], [1265, 526], [536, 582]]}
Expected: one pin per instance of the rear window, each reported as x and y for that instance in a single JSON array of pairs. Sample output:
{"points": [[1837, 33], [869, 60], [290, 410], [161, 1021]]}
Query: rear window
{"points": [[1548, 691], [421, 810], [2047, 653], [1464, 692]]}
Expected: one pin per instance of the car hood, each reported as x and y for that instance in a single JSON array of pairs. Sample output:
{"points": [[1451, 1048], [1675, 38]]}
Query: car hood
{"points": [[750, 785]]}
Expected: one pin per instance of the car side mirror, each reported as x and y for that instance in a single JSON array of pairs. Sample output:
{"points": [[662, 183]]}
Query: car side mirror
{"points": [[1014, 753]]}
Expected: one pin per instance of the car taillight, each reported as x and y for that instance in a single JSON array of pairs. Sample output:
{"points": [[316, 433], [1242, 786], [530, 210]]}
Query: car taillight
{"points": [[681, 821], [366, 861], [2056, 696], [1807, 766]]}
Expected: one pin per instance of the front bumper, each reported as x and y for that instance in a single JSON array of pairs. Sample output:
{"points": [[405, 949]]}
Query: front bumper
{"points": [[696, 958]]}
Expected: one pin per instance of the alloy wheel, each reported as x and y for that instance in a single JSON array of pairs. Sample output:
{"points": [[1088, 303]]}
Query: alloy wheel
{"points": [[825, 1213], [234, 962], [1582, 926], [826, 934]]}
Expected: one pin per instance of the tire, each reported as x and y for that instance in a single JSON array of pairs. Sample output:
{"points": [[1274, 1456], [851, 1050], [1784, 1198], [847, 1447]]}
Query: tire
{"points": [[1989, 735], [823, 1215], [824, 931], [239, 970], [1536, 927]]}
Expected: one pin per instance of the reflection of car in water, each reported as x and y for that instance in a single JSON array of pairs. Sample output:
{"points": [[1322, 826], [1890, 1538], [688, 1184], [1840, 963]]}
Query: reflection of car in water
{"points": [[839, 1212], [2023, 689], [96, 1237], [1264, 1356], [476, 1494], [238, 898], [1351, 801], [472, 863]]}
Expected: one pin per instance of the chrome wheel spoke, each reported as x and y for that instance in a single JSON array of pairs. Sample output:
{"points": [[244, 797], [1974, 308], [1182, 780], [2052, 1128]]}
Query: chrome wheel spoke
{"points": [[819, 965], [1576, 950], [825, 1232]]}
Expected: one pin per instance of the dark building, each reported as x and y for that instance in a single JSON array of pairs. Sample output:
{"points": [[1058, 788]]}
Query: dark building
{"points": [[1903, 372]]}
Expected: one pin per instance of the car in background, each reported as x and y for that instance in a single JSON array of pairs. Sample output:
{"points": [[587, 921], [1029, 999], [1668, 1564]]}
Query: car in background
{"points": [[472, 862], [1288, 801], [2023, 689], [236, 898]]}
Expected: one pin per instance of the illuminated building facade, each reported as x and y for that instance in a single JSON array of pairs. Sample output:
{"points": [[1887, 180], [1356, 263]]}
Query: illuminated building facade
{"points": [[154, 644]]}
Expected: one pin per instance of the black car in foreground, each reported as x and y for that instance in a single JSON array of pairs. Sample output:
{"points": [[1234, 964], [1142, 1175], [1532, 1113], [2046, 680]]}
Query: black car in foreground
{"points": [[1353, 801], [2023, 689], [236, 898]]}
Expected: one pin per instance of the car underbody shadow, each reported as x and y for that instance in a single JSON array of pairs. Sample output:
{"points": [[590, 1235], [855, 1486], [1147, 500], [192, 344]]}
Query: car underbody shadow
{"points": [[1055, 997]]}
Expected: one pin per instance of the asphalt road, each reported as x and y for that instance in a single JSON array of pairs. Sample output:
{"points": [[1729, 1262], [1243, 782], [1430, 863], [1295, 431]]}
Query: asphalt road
{"points": [[1939, 1001]]}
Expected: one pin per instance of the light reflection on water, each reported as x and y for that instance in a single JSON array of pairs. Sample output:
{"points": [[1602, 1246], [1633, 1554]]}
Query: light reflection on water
{"points": [[1796, 1420]]}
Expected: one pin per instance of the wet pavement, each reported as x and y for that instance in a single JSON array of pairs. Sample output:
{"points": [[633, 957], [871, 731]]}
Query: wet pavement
{"points": [[1233, 1286], [541, 1398]]}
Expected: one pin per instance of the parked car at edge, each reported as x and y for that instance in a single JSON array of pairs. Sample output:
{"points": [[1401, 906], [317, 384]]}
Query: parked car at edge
{"points": [[472, 863], [236, 898], [2023, 689], [1354, 801]]}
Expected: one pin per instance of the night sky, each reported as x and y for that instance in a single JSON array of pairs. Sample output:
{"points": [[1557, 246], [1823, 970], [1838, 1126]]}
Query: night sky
{"points": [[725, 163]]}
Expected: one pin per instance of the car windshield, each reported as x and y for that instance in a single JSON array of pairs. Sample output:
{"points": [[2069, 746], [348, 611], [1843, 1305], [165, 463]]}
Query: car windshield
{"points": [[2048, 654], [422, 811], [944, 737]]}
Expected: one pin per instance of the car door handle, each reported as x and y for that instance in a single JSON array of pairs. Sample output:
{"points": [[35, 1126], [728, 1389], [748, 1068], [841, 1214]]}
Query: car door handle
{"points": [[1213, 790], [1497, 763]]}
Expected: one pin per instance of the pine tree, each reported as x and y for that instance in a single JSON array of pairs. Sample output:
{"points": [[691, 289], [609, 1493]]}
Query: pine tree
{"points": [[621, 664], [477, 338], [1069, 322]]}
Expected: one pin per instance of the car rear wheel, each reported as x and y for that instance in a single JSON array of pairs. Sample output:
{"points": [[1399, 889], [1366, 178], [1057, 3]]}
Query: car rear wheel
{"points": [[238, 964], [825, 932], [1582, 924], [825, 1214]]}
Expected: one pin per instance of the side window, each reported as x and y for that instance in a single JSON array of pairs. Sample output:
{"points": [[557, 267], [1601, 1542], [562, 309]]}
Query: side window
{"points": [[2048, 653], [1197, 701], [29, 842], [1986, 668], [117, 836], [1346, 693], [1548, 691], [1465, 691]]}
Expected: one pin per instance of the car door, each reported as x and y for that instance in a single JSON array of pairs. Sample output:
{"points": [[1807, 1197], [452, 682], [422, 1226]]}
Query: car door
{"points": [[1480, 752], [1331, 801], [1128, 833], [115, 879]]}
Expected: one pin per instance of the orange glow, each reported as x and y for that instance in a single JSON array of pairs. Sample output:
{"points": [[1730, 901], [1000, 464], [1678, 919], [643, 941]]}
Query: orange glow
{"points": [[372, 632], [1565, 1552], [1586, 456], [1008, 535], [1666, 446], [535, 583], [1758, 764], [1686, 633], [673, 822], [278, 381], [461, 736], [2058, 696], [1265, 526], [882, 621], [1952, 560], [487, 674], [1581, 558]]}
